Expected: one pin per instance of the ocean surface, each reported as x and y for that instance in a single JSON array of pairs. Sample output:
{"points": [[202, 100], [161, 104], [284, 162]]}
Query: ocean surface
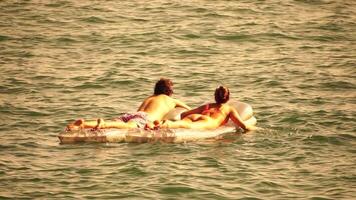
{"points": [[294, 61]]}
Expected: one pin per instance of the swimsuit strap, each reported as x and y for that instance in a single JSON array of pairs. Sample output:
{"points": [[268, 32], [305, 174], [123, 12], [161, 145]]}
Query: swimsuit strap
{"points": [[206, 107]]}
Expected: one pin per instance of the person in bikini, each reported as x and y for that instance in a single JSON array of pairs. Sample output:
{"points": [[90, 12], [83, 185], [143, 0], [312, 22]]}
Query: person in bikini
{"points": [[149, 114], [210, 116]]}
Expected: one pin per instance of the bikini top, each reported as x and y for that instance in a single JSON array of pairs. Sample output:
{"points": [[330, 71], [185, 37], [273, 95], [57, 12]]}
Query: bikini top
{"points": [[206, 109]]}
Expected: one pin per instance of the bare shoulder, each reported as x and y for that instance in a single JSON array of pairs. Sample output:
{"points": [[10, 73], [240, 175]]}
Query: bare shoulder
{"points": [[149, 98], [165, 98], [228, 108], [170, 99]]}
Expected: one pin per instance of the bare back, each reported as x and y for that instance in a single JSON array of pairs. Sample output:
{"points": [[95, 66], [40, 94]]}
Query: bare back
{"points": [[157, 106], [212, 116], [219, 113]]}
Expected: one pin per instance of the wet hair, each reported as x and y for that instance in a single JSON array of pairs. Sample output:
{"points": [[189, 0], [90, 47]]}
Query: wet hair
{"points": [[222, 95], [164, 86]]}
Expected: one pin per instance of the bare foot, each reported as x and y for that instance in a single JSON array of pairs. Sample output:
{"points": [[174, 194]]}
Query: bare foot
{"points": [[156, 125], [149, 126], [77, 125], [164, 124], [99, 125], [152, 125]]}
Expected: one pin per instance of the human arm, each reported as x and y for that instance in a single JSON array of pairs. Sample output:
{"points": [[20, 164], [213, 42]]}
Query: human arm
{"points": [[235, 117], [143, 106], [198, 110], [181, 104]]}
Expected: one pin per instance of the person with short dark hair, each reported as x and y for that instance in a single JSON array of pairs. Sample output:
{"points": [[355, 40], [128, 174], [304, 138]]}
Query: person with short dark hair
{"points": [[151, 111], [211, 115], [163, 86]]}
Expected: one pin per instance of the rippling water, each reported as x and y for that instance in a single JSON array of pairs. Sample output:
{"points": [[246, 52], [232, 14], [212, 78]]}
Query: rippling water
{"points": [[293, 61]]}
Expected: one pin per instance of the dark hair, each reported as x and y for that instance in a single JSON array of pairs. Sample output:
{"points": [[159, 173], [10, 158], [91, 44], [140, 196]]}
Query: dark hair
{"points": [[222, 95], [164, 86]]}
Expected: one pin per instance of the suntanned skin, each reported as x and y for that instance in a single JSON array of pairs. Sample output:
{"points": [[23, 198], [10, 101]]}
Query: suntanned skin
{"points": [[212, 118], [156, 107]]}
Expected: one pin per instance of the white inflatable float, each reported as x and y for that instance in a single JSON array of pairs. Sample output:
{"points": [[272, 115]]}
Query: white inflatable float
{"points": [[161, 135]]}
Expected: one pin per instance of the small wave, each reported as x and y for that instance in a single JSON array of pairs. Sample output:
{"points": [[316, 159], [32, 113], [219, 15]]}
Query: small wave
{"points": [[66, 40], [237, 37], [58, 4], [330, 139], [191, 36], [133, 171], [12, 89], [139, 20], [4, 38], [256, 37], [268, 184], [319, 198], [216, 15], [122, 82], [340, 85], [279, 35], [347, 136], [327, 38], [293, 118], [331, 27], [314, 2], [176, 189], [25, 54], [94, 19], [200, 10], [89, 85], [273, 83]]}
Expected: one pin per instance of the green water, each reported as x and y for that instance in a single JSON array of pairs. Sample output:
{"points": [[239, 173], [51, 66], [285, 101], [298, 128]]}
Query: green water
{"points": [[293, 61]]}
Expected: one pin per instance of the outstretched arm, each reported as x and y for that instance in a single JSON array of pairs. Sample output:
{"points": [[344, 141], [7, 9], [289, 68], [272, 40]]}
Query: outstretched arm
{"points": [[198, 110], [235, 117], [181, 104]]}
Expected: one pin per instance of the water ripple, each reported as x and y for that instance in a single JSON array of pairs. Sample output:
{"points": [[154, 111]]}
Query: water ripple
{"points": [[292, 61]]}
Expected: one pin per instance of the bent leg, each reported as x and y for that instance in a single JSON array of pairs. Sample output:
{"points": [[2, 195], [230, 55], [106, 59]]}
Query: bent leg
{"points": [[100, 124], [202, 123], [80, 124], [185, 123]]}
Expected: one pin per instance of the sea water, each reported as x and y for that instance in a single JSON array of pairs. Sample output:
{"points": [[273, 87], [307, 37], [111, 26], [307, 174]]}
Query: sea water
{"points": [[293, 61]]}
